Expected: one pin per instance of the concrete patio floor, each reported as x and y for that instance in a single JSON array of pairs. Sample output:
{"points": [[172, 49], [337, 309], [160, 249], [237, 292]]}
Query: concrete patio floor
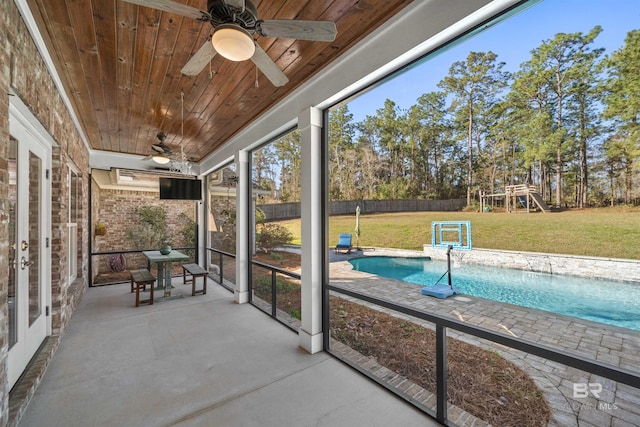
{"points": [[199, 361]]}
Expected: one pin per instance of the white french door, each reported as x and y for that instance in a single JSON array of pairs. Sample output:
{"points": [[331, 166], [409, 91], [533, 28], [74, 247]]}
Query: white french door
{"points": [[29, 222]]}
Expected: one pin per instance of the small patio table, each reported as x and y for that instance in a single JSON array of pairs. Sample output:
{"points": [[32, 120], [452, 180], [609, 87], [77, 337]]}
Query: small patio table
{"points": [[164, 267]]}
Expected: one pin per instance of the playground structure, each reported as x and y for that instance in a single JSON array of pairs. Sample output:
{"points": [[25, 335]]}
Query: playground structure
{"points": [[525, 196]]}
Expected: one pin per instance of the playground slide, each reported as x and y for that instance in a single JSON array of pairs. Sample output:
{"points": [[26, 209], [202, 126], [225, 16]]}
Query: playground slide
{"points": [[540, 202]]}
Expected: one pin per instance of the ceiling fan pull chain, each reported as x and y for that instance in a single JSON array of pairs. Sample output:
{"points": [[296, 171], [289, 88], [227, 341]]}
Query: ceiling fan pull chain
{"points": [[182, 114]]}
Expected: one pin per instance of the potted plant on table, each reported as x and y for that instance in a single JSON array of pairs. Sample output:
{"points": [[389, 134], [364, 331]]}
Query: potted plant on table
{"points": [[165, 246]]}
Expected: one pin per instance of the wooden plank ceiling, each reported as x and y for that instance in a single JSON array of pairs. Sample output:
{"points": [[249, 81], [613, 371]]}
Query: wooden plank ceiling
{"points": [[120, 64]]}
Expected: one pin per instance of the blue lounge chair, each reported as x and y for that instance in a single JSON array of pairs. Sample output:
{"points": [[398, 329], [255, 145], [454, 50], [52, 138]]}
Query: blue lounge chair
{"points": [[344, 242]]}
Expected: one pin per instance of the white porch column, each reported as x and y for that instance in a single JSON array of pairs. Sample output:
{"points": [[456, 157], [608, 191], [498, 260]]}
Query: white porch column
{"points": [[202, 211], [310, 126], [241, 293]]}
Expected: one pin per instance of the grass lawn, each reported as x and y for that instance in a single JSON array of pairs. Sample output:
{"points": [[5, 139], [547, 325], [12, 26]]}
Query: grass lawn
{"points": [[610, 232]]}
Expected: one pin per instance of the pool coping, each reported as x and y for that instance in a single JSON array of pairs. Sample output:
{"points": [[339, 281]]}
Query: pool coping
{"points": [[618, 269]]}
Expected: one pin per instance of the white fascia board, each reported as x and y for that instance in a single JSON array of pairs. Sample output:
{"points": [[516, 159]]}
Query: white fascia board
{"points": [[110, 159]]}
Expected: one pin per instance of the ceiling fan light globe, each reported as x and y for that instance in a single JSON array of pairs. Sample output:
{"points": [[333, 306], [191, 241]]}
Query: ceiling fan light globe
{"points": [[161, 160], [233, 43]]}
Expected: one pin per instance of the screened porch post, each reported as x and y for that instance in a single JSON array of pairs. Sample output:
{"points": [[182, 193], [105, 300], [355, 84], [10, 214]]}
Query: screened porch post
{"points": [[310, 126], [243, 256]]}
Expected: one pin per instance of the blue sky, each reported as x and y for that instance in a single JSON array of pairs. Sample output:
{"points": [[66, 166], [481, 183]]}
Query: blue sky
{"points": [[512, 40]]}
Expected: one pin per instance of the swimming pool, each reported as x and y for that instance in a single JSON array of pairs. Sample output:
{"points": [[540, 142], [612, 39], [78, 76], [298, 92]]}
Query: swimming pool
{"points": [[610, 302]]}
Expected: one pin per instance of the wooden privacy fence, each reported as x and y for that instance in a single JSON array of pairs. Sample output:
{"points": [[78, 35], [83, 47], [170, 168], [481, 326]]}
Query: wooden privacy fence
{"points": [[279, 211]]}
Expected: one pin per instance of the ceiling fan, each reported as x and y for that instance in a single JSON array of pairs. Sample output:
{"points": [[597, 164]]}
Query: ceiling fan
{"points": [[161, 152], [235, 23]]}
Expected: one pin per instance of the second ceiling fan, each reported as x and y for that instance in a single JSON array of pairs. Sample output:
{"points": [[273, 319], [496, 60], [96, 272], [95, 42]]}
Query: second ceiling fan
{"points": [[235, 22]]}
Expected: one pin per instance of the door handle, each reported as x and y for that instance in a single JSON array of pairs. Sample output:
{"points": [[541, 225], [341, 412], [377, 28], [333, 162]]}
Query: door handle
{"points": [[24, 263]]}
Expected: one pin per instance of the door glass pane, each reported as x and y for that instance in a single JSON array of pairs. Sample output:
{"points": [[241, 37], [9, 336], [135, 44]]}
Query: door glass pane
{"points": [[13, 199], [74, 215], [74, 197], [73, 256], [35, 172]]}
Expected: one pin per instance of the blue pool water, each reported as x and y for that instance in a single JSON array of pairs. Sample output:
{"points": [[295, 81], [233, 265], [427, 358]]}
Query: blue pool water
{"points": [[611, 302]]}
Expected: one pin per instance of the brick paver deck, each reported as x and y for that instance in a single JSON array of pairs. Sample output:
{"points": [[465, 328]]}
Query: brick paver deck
{"points": [[618, 404]]}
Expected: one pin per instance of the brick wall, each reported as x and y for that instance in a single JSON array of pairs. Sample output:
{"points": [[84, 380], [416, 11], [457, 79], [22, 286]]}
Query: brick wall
{"points": [[23, 71], [5, 63], [117, 210]]}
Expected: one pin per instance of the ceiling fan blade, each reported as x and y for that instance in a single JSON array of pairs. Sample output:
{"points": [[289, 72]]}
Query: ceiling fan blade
{"points": [[202, 57], [268, 67], [302, 30], [147, 157], [174, 7]]}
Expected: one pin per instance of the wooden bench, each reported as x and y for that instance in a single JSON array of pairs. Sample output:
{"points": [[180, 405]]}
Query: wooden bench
{"points": [[140, 279], [195, 271]]}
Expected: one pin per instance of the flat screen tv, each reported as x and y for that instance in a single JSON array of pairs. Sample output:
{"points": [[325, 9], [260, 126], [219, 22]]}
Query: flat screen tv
{"points": [[180, 189]]}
